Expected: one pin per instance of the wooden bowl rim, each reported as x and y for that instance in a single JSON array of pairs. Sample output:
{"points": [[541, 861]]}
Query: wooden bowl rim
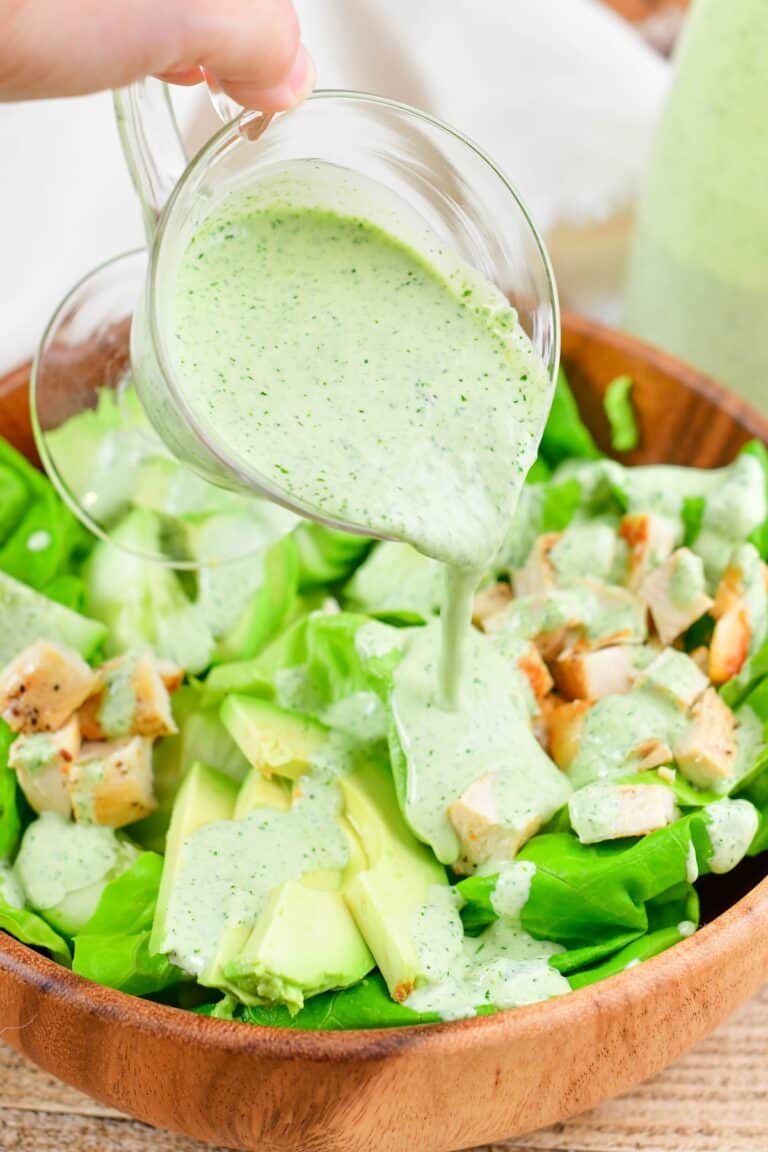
{"points": [[715, 942]]}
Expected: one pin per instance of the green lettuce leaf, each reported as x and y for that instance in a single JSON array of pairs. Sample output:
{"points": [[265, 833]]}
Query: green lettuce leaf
{"points": [[759, 536], [559, 504], [692, 514], [621, 414], [327, 555], [269, 605], [565, 435], [40, 539], [325, 661], [633, 953], [586, 894], [31, 929], [366, 1004], [113, 947], [396, 584], [10, 816], [67, 590]]}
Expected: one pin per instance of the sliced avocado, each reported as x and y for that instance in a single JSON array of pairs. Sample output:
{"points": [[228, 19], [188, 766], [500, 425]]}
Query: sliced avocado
{"points": [[257, 791], [304, 942], [204, 797], [386, 895], [27, 616], [273, 739], [271, 960]]}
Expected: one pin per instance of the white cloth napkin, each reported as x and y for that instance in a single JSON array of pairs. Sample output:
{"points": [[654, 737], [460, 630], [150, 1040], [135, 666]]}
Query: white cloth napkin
{"points": [[562, 93]]}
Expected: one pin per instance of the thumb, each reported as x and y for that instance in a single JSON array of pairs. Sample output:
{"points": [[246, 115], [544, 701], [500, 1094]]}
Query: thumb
{"points": [[251, 47]]}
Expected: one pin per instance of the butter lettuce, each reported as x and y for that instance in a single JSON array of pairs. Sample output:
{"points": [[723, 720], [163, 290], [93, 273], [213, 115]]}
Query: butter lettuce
{"points": [[10, 813], [566, 437], [396, 584], [621, 414], [587, 895], [41, 541], [31, 929], [112, 948], [320, 660], [327, 555]]}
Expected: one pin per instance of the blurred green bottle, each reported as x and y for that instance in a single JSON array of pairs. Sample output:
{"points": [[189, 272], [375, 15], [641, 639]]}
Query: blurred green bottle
{"points": [[698, 278]]}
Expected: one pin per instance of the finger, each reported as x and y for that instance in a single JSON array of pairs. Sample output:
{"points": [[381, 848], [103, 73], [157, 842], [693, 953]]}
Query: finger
{"points": [[291, 91], [70, 48]]}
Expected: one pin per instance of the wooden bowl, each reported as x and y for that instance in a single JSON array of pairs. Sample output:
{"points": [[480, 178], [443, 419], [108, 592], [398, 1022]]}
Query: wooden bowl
{"points": [[445, 1086]]}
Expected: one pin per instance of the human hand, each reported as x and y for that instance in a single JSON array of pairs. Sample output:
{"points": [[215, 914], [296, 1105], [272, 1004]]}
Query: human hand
{"points": [[70, 47]]}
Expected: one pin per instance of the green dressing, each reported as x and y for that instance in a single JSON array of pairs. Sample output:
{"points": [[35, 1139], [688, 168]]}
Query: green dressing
{"points": [[118, 703], [372, 379], [513, 886], [229, 867], [732, 826], [504, 967], [444, 752]]}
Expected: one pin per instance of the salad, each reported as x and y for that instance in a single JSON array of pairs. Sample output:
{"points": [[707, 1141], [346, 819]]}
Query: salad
{"points": [[215, 789]]}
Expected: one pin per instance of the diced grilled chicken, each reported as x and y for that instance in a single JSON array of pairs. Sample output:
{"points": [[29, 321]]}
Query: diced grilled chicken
{"points": [[476, 819], [706, 751], [729, 646], [565, 724], [540, 720], [42, 761], [651, 753], [490, 602], [735, 622], [613, 811], [650, 539], [676, 677], [88, 717], [171, 674], [537, 574], [676, 594], [111, 782], [132, 700], [585, 675], [43, 686], [536, 672]]}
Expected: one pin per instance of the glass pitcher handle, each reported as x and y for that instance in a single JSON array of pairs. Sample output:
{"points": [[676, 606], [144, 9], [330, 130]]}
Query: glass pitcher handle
{"points": [[152, 145], [224, 106]]}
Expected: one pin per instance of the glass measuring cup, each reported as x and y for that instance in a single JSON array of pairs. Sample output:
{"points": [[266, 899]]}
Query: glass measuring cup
{"points": [[444, 179]]}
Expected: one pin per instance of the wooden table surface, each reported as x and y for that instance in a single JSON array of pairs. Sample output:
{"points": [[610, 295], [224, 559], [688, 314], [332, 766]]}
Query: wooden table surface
{"points": [[713, 1100]]}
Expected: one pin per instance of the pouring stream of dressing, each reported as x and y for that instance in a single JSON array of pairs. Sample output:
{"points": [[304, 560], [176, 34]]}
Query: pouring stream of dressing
{"points": [[348, 358]]}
